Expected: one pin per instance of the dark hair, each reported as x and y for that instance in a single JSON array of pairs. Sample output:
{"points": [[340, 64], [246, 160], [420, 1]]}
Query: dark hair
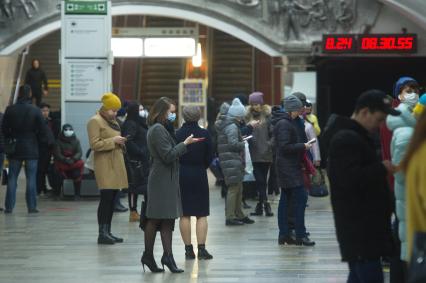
{"points": [[133, 111], [159, 110], [418, 138], [35, 59], [44, 105], [67, 126], [410, 84], [24, 92]]}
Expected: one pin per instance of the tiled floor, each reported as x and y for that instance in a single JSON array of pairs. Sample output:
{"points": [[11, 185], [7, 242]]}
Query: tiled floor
{"points": [[59, 245]]}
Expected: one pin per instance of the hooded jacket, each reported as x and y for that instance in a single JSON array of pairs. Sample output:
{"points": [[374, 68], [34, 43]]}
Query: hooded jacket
{"points": [[67, 147], [403, 128], [289, 150], [230, 147], [360, 197]]}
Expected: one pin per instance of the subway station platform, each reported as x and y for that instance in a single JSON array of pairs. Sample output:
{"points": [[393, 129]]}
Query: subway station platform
{"points": [[59, 245]]}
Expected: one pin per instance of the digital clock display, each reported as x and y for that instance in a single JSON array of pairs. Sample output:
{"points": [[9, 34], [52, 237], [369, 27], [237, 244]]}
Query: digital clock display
{"points": [[369, 43], [404, 43]]}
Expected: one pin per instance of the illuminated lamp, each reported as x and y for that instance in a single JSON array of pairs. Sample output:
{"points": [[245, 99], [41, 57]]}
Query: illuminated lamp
{"points": [[198, 58], [127, 47]]}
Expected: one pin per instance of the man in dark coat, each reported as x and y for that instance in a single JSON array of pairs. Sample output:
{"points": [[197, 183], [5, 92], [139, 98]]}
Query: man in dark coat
{"points": [[23, 123], [361, 199], [37, 80], [45, 150], [289, 153]]}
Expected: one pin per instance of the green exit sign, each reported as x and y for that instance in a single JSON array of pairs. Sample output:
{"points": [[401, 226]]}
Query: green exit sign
{"points": [[85, 7]]}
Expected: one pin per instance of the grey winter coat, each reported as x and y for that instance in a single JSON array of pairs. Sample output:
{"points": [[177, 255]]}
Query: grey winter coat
{"points": [[230, 148], [164, 200], [289, 152], [261, 143]]}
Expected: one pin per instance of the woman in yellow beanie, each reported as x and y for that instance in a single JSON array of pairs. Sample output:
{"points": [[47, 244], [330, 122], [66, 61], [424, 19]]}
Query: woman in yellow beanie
{"points": [[110, 172], [414, 168]]}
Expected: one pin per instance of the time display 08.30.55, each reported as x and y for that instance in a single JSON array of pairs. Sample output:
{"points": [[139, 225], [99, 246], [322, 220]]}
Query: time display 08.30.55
{"points": [[370, 43]]}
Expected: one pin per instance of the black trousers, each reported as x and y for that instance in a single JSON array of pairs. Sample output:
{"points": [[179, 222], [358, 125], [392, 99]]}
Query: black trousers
{"points": [[272, 180], [106, 206], [42, 167], [260, 172]]}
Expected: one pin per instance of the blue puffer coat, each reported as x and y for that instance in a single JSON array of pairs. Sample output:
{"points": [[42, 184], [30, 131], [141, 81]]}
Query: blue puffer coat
{"points": [[403, 128]]}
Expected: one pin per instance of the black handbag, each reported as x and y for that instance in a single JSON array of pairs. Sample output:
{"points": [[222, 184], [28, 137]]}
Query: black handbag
{"points": [[417, 268], [136, 176]]}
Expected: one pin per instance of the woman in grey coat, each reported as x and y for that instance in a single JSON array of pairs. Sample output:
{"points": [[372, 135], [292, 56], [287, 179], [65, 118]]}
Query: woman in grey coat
{"points": [[163, 193]]}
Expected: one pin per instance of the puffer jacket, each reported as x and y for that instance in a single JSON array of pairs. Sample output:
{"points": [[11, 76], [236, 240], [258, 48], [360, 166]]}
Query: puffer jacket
{"points": [[230, 147], [402, 127]]}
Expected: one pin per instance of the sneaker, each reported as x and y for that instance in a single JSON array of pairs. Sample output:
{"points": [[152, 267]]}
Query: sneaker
{"points": [[33, 210], [233, 222], [305, 241], [246, 220]]}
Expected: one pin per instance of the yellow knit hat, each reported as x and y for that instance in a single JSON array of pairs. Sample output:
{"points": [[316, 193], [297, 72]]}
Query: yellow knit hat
{"points": [[110, 101]]}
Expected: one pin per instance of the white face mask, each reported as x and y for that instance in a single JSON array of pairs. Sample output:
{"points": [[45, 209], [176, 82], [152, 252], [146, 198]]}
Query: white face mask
{"points": [[143, 113], [410, 98], [68, 133]]}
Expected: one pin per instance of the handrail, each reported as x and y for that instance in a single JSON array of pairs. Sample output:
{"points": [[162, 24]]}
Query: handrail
{"points": [[18, 80]]}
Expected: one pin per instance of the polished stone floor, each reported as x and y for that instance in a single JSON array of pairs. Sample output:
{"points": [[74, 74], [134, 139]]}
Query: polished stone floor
{"points": [[59, 245]]}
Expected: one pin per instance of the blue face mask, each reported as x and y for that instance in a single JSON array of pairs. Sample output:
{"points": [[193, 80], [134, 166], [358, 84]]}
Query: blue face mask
{"points": [[171, 117]]}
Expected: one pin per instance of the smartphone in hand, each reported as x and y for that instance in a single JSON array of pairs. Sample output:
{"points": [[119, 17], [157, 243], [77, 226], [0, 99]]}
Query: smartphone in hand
{"points": [[247, 138], [312, 141]]}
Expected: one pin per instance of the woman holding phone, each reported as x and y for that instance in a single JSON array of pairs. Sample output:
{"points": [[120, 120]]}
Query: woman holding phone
{"points": [[193, 182], [164, 203]]}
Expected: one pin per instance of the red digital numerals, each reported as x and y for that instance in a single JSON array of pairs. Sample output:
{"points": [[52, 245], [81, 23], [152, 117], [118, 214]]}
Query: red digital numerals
{"points": [[390, 43], [337, 44], [373, 43]]}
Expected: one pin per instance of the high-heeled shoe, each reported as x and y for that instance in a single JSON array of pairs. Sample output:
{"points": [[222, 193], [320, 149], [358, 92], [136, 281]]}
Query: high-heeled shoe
{"points": [[169, 261], [149, 261]]}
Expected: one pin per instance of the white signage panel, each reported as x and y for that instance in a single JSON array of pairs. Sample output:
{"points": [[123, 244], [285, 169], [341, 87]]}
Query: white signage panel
{"points": [[86, 37], [87, 79]]}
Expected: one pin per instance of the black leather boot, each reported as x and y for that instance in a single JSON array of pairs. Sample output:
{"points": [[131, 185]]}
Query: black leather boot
{"points": [[289, 240], [149, 261], [104, 238], [203, 253], [169, 261], [268, 209], [116, 239], [258, 211], [189, 252]]}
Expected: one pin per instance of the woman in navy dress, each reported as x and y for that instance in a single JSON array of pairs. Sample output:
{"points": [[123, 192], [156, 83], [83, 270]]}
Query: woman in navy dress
{"points": [[193, 181]]}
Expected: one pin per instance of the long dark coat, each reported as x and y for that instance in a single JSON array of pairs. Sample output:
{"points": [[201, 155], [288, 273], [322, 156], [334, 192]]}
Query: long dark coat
{"points": [[137, 154], [164, 198], [289, 151], [361, 199], [193, 180]]}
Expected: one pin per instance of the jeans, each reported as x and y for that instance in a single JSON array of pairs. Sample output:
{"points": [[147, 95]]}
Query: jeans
{"points": [[365, 271], [31, 191], [300, 197], [260, 172]]}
